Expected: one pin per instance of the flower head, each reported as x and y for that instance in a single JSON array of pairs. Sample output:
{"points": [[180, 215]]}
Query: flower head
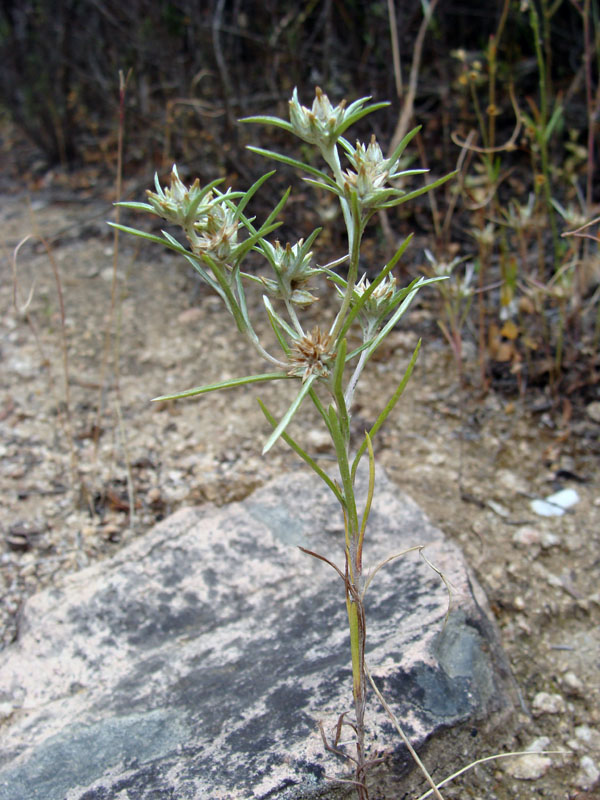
{"points": [[215, 231], [207, 217], [377, 304], [292, 268], [176, 203], [312, 355], [370, 174], [378, 300], [318, 125]]}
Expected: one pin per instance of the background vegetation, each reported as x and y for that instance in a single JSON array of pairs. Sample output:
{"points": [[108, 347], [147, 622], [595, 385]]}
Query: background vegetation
{"points": [[507, 91]]}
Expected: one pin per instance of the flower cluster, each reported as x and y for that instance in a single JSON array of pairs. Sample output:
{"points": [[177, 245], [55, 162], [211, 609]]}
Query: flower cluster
{"points": [[208, 219], [312, 355], [319, 124], [371, 173], [291, 265], [178, 203], [378, 301], [215, 232]]}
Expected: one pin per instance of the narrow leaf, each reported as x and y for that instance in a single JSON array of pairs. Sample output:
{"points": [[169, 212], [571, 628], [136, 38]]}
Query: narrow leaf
{"points": [[355, 116], [151, 237], [251, 191], [293, 162], [388, 408], [404, 142], [287, 417], [426, 188], [228, 384], [303, 455], [280, 321], [275, 212], [267, 120], [344, 467], [333, 188], [137, 206]]}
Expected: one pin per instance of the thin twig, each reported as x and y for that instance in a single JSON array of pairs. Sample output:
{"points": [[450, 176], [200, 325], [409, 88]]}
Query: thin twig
{"points": [[409, 100], [395, 47]]}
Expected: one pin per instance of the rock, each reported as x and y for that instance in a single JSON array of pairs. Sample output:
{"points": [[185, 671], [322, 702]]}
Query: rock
{"points": [[198, 661], [572, 684], [588, 775], [593, 410], [545, 703], [511, 481], [527, 536], [556, 504], [589, 736], [549, 540], [533, 765]]}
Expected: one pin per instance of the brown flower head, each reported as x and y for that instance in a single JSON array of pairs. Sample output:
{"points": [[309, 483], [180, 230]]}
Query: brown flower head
{"points": [[312, 355]]}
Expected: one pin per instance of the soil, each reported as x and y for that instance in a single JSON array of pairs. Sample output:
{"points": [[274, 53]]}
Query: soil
{"points": [[84, 473]]}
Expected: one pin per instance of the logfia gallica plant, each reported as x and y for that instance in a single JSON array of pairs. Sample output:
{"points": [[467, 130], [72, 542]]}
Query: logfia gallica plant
{"points": [[323, 368]]}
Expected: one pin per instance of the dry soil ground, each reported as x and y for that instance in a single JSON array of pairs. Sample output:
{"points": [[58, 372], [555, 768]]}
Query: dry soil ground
{"points": [[68, 472]]}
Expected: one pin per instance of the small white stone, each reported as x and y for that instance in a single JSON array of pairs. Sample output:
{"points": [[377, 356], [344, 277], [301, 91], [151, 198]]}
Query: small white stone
{"points": [[555, 504], [533, 765], [590, 736], [511, 481], [519, 603], [588, 775], [593, 411], [549, 540], [572, 683], [436, 459], [527, 536], [546, 703]]}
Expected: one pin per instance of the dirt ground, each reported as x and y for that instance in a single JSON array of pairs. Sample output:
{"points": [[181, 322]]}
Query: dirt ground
{"points": [[70, 466]]}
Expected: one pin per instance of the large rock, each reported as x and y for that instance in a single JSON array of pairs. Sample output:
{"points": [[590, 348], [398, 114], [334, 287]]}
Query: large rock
{"points": [[197, 663]]}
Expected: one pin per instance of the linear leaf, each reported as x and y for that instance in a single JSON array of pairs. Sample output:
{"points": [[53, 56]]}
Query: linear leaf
{"points": [[293, 162], [232, 383], [287, 417], [268, 120], [388, 408], [303, 455], [426, 188]]}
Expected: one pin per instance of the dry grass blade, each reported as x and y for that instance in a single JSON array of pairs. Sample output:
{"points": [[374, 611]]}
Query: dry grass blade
{"points": [[411, 750]]}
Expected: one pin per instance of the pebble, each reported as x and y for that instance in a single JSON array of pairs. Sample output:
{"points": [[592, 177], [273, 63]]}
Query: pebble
{"points": [[527, 536], [589, 736], [549, 540], [511, 481], [519, 603], [593, 411], [555, 504], [572, 684], [546, 703], [532, 766], [153, 495], [436, 459], [588, 775]]}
